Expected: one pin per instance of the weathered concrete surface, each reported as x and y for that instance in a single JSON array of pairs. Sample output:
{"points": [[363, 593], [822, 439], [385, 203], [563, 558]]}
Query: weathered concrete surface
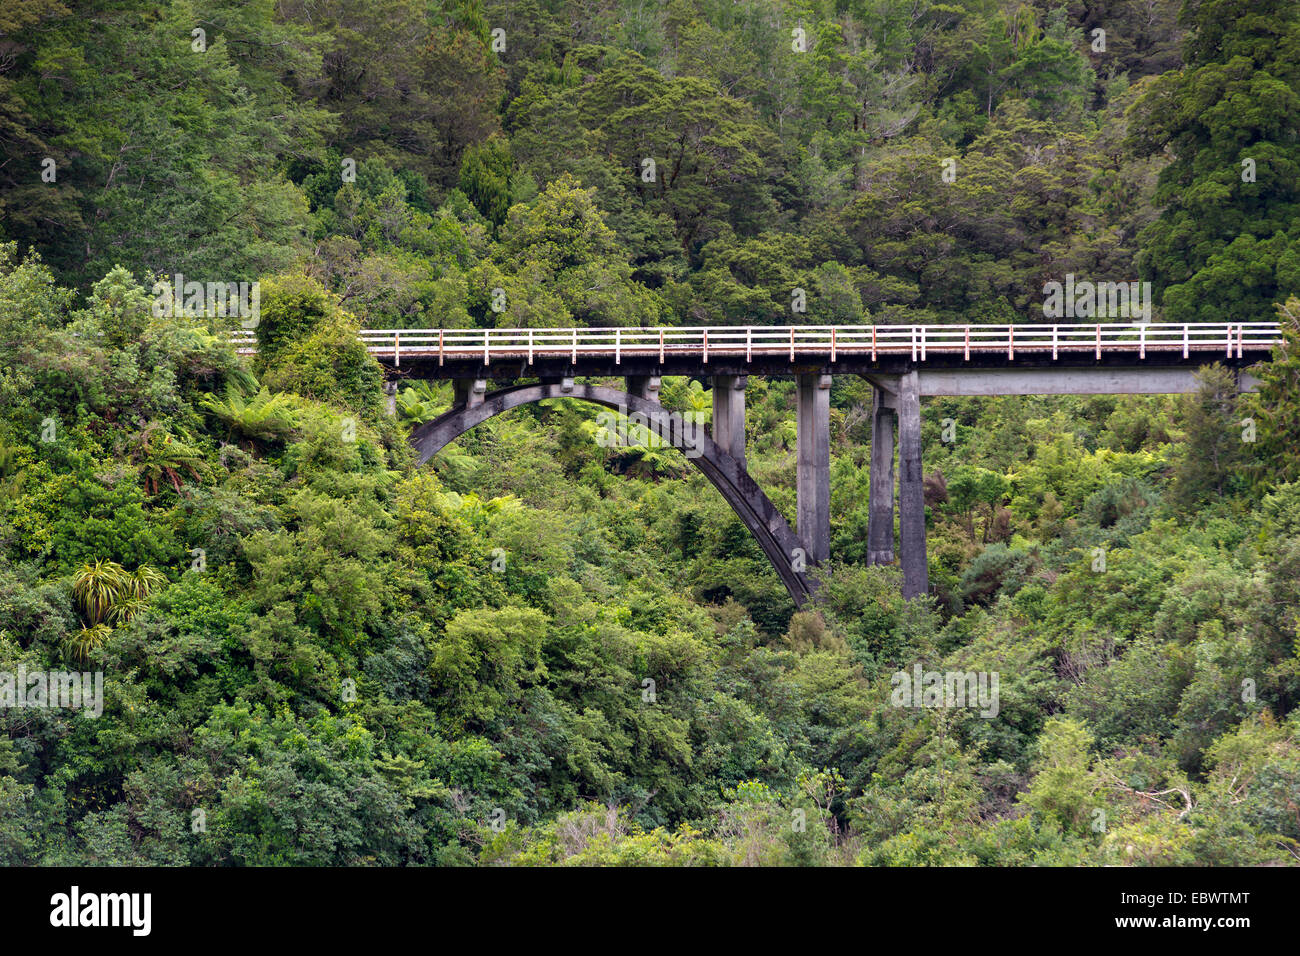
{"points": [[644, 386], [813, 465], [752, 506], [778, 363], [468, 391], [880, 496], [729, 414], [1058, 381]]}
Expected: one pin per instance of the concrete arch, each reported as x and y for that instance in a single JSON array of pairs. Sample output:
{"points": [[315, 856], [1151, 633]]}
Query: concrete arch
{"points": [[752, 506]]}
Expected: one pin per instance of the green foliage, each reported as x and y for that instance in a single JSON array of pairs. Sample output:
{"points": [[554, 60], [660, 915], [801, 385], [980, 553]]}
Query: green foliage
{"points": [[486, 173], [546, 649], [1275, 403], [1225, 247]]}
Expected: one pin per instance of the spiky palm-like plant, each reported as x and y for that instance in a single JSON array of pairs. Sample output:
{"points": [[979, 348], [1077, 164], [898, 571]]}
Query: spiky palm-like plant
{"points": [[109, 596], [143, 581], [89, 639], [97, 587]]}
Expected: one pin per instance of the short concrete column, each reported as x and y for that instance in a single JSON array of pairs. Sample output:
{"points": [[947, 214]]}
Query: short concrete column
{"points": [[813, 477], [911, 490], [644, 386], [468, 392], [880, 497], [729, 414], [390, 398]]}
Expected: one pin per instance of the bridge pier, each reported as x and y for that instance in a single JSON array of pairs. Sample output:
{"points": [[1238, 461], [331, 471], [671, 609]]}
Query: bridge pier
{"points": [[468, 392], [813, 466], [643, 386], [729, 414], [911, 491], [880, 496]]}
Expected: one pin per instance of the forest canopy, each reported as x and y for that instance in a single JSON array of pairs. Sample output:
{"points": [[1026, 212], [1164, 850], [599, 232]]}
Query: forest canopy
{"points": [[539, 649]]}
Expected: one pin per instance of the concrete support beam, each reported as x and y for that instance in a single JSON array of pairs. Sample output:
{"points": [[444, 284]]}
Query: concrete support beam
{"points": [[729, 414], [813, 479], [880, 497], [1058, 381], [644, 386], [468, 392], [911, 491], [390, 398]]}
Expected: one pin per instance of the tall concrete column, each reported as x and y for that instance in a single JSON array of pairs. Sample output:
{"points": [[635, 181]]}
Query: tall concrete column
{"points": [[880, 497], [390, 398], [644, 386], [911, 491], [813, 479], [729, 414], [468, 392]]}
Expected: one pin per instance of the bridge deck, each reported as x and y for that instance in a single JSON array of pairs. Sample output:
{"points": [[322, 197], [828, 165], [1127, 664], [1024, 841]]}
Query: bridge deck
{"points": [[771, 349]]}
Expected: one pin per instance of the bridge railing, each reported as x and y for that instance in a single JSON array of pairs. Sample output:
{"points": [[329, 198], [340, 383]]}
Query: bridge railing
{"points": [[819, 341]]}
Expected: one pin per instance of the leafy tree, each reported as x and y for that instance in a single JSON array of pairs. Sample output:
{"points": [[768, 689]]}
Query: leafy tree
{"points": [[1224, 248]]}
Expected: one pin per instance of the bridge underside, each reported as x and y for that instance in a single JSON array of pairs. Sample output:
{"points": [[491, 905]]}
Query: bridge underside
{"points": [[898, 388], [778, 363], [1118, 380]]}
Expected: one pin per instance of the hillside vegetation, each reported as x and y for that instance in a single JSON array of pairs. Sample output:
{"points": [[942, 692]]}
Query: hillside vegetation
{"points": [[539, 649]]}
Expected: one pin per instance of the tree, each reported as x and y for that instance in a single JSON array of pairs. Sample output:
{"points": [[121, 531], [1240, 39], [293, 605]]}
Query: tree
{"points": [[307, 344], [1276, 404], [558, 262], [1216, 454], [1062, 789], [1226, 245], [158, 146]]}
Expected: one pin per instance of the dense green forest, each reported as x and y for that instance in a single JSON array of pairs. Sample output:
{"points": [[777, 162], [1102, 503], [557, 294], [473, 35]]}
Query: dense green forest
{"points": [[543, 650]]}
